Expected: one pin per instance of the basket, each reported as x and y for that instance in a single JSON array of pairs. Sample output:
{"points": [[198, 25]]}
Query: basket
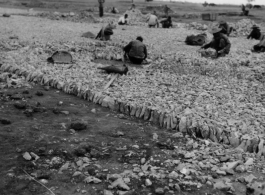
{"points": [[210, 16], [63, 57]]}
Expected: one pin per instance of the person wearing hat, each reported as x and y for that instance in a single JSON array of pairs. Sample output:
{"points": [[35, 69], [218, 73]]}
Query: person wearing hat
{"points": [[226, 29], [136, 51], [220, 42], [255, 33]]}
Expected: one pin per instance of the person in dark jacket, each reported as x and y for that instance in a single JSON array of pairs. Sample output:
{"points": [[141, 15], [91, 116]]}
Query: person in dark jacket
{"points": [[136, 51], [101, 7], [260, 47], [167, 22], [255, 33], [226, 29], [220, 42]]}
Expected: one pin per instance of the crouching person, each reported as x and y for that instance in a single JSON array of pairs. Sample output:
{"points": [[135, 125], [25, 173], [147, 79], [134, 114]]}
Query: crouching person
{"points": [[136, 51], [226, 29], [220, 43], [255, 33], [260, 47], [167, 22], [106, 32], [123, 20]]}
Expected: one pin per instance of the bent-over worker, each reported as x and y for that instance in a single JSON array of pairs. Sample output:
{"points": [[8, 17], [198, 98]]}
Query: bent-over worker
{"points": [[255, 33], [260, 47], [106, 32], [226, 29], [220, 42], [123, 20], [167, 22], [136, 51], [152, 21]]}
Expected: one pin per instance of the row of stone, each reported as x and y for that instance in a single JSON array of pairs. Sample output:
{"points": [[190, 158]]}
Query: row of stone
{"points": [[185, 123]]}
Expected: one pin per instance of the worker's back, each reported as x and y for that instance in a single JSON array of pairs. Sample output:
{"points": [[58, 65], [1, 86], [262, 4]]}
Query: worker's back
{"points": [[152, 20], [137, 49]]}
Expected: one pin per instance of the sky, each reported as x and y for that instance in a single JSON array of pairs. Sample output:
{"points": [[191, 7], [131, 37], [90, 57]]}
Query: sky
{"points": [[256, 2]]}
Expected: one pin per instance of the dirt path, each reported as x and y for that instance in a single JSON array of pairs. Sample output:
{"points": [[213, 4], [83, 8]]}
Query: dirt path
{"points": [[111, 145]]}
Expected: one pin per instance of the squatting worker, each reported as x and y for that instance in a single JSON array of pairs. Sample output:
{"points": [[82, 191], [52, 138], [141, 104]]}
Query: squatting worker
{"points": [[167, 22], [136, 51], [101, 7], [226, 29], [255, 33], [152, 21], [123, 20], [220, 42]]}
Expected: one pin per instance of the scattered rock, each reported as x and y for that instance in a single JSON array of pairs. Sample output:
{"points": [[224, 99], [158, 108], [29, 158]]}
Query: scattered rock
{"points": [[16, 97], [6, 15], [65, 112], [27, 156], [148, 182], [177, 187], [159, 191], [224, 159], [20, 105], [256, 188], [230, 171], [25, 91], [91, 179], [221, 172], [119, 133], [64, 167], [39, 93], [77, 173], [249, 162], [78, 125], [93, 110], [35, 156], [46, 88], [240, 168], [220, 185], [249, 178], [107, 192], [44, 181], [29, 112], [5, 121], [120, 184]]}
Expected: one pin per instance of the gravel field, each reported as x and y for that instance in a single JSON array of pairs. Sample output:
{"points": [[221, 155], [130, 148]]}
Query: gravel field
{"points": [[223, 98]]}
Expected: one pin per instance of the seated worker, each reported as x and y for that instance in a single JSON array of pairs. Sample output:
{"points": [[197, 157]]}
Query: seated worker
{"points": [[123, 20], [260, 47], [106, 32], [167, 22], [255, 33], [220, 42], [114, 10], [226, 29], [152, 21], [136, 51]]}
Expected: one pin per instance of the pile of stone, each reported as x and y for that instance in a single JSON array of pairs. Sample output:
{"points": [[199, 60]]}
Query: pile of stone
{"points": [[242, 27]]}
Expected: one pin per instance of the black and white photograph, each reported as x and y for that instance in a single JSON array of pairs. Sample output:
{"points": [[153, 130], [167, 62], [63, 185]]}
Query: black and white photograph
{"points": [[132, 97]]}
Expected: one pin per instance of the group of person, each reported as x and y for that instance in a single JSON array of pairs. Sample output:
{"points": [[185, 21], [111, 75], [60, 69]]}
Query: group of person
{"points": [[222, 44], [136, 50], [152, 21]]}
